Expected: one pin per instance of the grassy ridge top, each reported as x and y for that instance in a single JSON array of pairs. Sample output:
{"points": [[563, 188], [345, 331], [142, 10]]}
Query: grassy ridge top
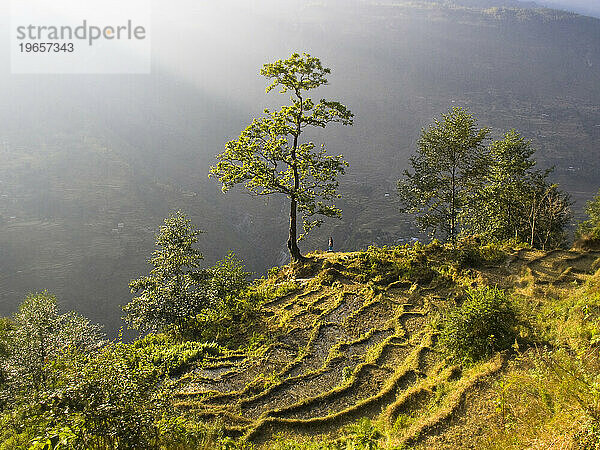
{"points": [[351, 336]]}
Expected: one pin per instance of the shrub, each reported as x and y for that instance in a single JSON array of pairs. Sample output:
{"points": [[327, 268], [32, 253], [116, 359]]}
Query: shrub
{"points": [[385, 265], [472, 254], [362, 435], [591, 226], [228, 278], [261, 291], [170, 357], [483, 324], [114, 397]]}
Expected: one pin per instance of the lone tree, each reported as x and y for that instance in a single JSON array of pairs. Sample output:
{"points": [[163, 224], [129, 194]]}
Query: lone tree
{"points": [[448, 169], [269, 156]]}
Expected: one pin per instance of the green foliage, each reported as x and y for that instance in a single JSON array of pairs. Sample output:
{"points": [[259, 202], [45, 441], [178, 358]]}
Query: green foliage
{"points": [[548, 211], [472, 254], [182, 297], [109, 398], [518, 202], [6, 330], [237, 321], [591, 226], [497, 212], [262, 292], [98, 400], [233, 318], [549, 396], [575, 319], [269, 157], [402, 421], [228, 279], [483, 324], [37, 335], [448, 168], [552, 394], [386, 265], [173, 293], [170, 357], [495, 193], [362, 435]]}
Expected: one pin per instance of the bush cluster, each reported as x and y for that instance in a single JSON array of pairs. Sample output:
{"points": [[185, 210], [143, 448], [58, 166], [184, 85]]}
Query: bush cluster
{"points": [[484, 323]]}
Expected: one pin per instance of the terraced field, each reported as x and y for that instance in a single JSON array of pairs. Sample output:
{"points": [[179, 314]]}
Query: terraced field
{"points": [[348, 349]]}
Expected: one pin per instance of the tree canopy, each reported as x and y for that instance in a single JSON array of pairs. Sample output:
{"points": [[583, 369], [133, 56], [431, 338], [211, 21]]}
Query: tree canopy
{"points": [[269, 156], [592, 224], [38, 333], [447, 170], [171, 295], [458, 185], [178, 294]]}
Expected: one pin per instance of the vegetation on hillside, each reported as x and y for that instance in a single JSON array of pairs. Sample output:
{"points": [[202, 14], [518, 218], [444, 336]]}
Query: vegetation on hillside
{"points": [[457, 185], [590, 228], [448, 169], [130, 156], [393, 347], [369, 349]]}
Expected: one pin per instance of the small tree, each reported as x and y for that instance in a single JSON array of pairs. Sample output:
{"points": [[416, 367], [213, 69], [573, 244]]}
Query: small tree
{"points": [[269, 157], [496, 212], [173, 293], [548, 211], [591, 225], [39, 334], [517, 201], [228, 279], [449, 167], [493, 192]]}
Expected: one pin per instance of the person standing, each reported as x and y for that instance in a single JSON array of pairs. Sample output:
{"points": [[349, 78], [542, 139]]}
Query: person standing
{"points": [[330, 244]]}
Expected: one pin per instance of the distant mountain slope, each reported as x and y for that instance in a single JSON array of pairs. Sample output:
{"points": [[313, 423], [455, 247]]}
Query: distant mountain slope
{"points": [[82, 155], [585, 7]]}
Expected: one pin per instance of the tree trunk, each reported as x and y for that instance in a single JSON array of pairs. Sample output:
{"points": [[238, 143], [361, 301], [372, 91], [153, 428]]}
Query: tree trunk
{"points": [[292, 242], [532, 225]]}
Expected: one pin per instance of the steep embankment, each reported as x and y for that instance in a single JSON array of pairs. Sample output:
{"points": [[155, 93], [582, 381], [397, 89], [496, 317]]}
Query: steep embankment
{"points": [[357, 338]]}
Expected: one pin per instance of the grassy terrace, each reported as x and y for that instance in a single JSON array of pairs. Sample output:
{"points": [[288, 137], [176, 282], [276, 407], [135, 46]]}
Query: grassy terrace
{"points": [[349, 336]]}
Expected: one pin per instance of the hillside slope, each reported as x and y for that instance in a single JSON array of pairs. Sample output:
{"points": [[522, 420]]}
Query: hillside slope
{"points": [[356, 338]]}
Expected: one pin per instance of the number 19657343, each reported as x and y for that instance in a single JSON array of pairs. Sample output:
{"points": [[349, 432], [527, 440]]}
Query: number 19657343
{"points": [[46, 47]]}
